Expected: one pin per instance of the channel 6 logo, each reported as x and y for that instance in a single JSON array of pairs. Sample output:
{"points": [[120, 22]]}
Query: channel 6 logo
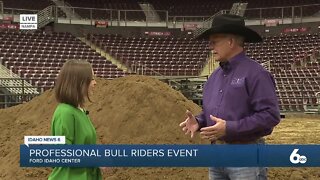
{"points": [[296, 158]]}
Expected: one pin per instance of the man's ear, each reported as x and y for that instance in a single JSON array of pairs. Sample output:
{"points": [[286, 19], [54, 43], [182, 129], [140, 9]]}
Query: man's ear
{"points": [[231, 41]]}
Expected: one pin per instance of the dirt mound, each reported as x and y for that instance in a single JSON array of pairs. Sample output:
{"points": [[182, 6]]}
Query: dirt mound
{"points": [[129, 110]]}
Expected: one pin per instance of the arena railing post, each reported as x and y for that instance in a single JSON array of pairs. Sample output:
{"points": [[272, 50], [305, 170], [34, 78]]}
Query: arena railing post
{"points": [[125, 18], [301, 14], [110, 17], [119, 16], [292, 14], [167, 18], [91, 23]]}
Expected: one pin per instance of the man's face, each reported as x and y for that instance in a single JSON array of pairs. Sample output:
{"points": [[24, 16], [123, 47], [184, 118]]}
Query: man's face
{"points": [[221, 46]]}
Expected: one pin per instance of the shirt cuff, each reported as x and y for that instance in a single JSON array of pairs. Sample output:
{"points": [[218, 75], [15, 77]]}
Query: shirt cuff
{"points": [[201, 123], [231, 128]]}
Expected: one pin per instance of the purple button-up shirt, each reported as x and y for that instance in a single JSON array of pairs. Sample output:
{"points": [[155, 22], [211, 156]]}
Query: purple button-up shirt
{"points": [[242, 93]]}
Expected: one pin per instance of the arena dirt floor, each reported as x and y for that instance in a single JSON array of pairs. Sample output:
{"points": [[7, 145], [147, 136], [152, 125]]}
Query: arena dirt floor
{"points": [[136, 110]]}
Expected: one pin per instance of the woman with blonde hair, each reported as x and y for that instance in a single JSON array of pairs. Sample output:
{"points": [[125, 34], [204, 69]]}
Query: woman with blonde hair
{"points": [[73, 86]]}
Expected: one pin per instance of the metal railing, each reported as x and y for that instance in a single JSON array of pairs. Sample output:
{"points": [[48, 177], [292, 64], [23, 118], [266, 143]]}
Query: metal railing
{"points": [[21, 95], [187, 18], [112, 16], [191, 87], [206, 24], [238, 8], [142, 69], [266, 65], [285, 15], [17, 85], [46, 16], [8, 100], [8, 78], [302, 60], [17, 11]]}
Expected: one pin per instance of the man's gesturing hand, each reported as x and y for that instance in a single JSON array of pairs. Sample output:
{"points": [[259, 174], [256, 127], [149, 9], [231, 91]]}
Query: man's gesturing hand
{"points": [[190, 125]]}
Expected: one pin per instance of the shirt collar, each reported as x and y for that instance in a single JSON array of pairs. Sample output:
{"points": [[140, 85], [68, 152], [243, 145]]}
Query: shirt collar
{"points": [[228, 65]]}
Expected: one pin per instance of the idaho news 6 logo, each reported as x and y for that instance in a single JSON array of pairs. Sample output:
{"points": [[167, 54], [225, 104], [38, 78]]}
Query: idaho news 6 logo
{"points": [[28, 21], [296, 158]]}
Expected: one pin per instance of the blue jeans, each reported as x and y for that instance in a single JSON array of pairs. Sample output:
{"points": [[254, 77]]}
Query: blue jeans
{"points": [[238, 173]]}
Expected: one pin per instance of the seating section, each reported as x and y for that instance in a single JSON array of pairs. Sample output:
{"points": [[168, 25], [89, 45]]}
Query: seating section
{"points": [[282, 50], [297, 87], [156, 56], [297, 76], [38, 57], [293, 59], [109, 4]]}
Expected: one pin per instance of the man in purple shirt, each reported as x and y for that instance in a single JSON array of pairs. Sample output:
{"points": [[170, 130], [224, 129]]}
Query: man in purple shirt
{"points": [[240, 105]]}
